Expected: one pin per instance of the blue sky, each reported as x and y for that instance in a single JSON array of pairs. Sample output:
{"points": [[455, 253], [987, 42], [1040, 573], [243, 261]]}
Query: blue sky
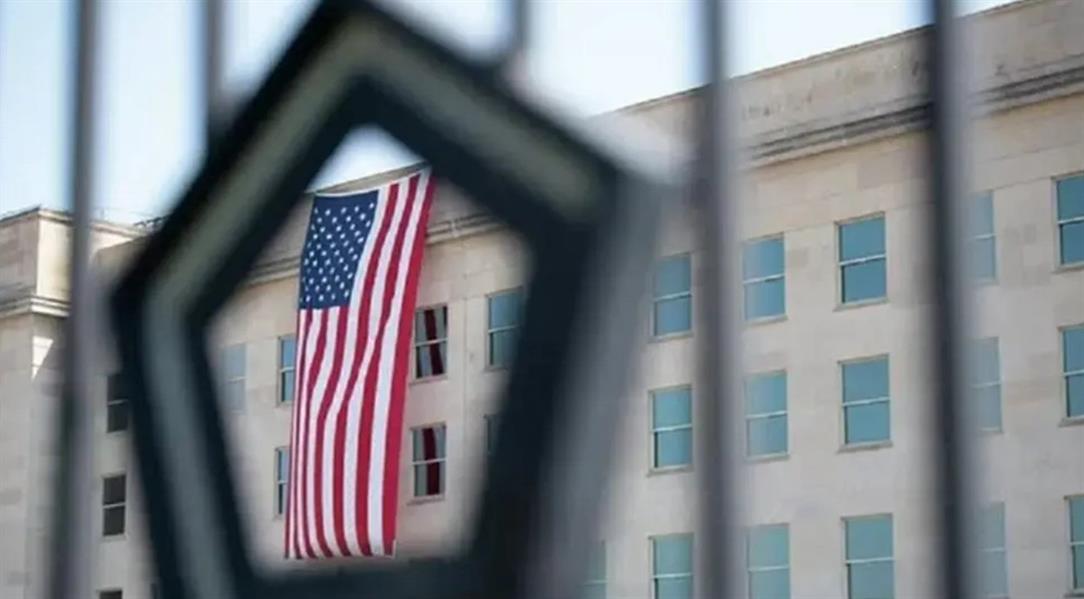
{"points": [[586, 56]]}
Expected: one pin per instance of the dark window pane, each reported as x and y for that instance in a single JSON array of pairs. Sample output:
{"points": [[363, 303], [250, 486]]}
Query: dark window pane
{"points": [[1076, 519], [762, 258], [502, 345], [871, 581], [989, 407], [864, 281], [115, 387], [982, 215], [504, 309], [995, 578], [112, 594], [671, 407], [869, 538], [1071, 197], [673, 316], [985, 366], [113, 520], [235, 394], [769, 546], [673, 448], [492, 422], [773, 584], [984, 258], [431, 324], [764, 299], [673, 275], [992, 531], [862, 238], [674, 588], [1078, 567], [116, 417], [286, 386], [1074, 389], [287, 351], [766, 393], [1073, 349], [234, 361], [865, 380], [428, 443], [113, 490], [1072, 242], [867, 423], [673, 554], [428, 479], [767, 436], [430, 360]]}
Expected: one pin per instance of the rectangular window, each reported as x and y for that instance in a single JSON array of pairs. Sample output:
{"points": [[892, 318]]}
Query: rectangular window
{"points": [[111, 594], [763, 282], [233, 376], [672, 427], [1071, 220], [431, 341], [672, 300], [993, 568], [1076, 540], [768, 559], [282, 479], [986, 383], [594, 586], [287, 361], [869, 557], [766, 414], [114, 500], [672, 567], [982, 240], [862, 260], [116, 404], [866, 417], [492, 426], [1072, 342], [504, 316], [428, 460]]}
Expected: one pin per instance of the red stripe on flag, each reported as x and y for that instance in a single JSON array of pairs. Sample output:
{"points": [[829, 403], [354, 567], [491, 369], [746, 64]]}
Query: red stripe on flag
{"points": [[321, 420], [291, 507], [314, 373]]}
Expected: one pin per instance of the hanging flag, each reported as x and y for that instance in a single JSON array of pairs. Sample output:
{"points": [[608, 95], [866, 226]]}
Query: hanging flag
{"points": [[357, 292]]}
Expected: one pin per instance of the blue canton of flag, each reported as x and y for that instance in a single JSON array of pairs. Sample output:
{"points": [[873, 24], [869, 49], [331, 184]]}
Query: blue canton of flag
{"points": [[340, 227]]}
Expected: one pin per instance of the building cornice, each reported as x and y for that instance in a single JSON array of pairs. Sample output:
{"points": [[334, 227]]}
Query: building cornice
{"points": [[33, 304]]}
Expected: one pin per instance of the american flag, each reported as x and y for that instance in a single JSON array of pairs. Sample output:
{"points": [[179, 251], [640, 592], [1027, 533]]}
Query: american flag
{"points": [[359, 280]]}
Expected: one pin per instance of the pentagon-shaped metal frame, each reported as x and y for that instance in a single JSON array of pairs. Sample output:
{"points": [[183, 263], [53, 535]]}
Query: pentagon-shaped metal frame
{"points": [[589, 217]]}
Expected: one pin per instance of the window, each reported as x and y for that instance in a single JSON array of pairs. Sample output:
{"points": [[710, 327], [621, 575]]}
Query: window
{"points": [[983, 243], [766, 414], [672, 567], [869, 557], [595, 585], [1076, 540], [768, 558], [431, 340], [672, 304], [428, 462], [287, 360], [282, 479], [986, 383], [995, 582], [493, 422], [233, 375], [865, 401], [111, 594], [1072, 341], [1071, 220], [116, 405], [762, 278], [672, 427], [862, 260], [504, 315], [114, 498]]}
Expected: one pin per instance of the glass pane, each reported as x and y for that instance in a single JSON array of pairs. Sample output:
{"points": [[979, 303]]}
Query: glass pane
{"points": [[1071, 197], [989, 407], [982, 215], [671, 407], [674, 588], [287, 351], [594, 591], [864, 281], [774, 584], [286, 386], [766, 393], [673, 448], [492, 423], [235, 394], [673, 316], [862, 238], [867, 423], [234, 361], [430, 359], [431, 324], [116, 417], [762, 258], [1073, 349], [673, 275], [502, 347], [985, 367], [428, 443], [1078, 567], [428, 479], [992, 532], [110, 595], [113, 520], [870, 581], [767, 436], [1076, 519], [769, 546], [673, 554], [764, 299], [504, 309], [113, 490], [1074, 389], [114, 387], [596, 562], [280, 499], [869, 538], [995, 578], [282, 463], [1072, 243], [865, 380], [984, 258]]}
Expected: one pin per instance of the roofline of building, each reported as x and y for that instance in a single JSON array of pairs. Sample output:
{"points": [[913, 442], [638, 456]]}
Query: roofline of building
{"points": [[64, 217]]}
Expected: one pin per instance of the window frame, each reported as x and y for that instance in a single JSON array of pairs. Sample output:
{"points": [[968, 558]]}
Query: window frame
{"points": [[656, 300], [655, 576], [1060, 223], [887, 399], [112, 402], [282, 482], [746, 283], [654, 431], [1075, 586], [750, 569], [1003, 549], [978, 386], [490, 330], [283, 369], [442, 460], [417, 345], [122, 505], [848, 562], [974, 239], [841, 263], [785, 413], [1066, 374]]}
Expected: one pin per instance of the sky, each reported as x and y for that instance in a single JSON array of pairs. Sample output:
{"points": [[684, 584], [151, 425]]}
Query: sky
{"points": [[584, 56]]}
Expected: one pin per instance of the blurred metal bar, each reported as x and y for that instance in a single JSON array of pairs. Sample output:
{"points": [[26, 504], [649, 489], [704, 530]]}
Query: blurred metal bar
{"points": [[948, 188], [720, 520], [69, 575], [214, 100]]}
